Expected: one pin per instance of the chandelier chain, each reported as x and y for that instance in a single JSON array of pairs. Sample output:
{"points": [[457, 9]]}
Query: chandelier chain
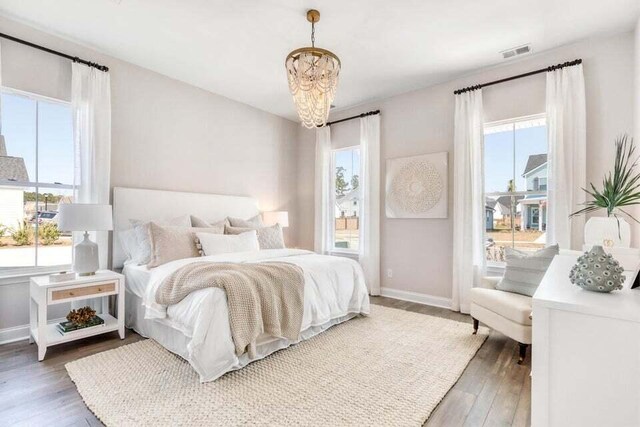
{"points": [[313, 34]]}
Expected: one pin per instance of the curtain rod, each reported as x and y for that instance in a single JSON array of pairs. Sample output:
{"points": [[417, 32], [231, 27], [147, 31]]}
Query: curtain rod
{"points": [[55, 52], [519, 76], [370, 113]]}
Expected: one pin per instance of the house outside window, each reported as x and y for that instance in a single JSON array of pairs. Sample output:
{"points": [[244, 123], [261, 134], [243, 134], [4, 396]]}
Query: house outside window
{"points": [[36, 176], [347, 199], [515, 155]]}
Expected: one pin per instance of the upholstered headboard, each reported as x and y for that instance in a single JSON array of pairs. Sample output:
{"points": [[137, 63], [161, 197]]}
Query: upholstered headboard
{"points": [[146, 205]]}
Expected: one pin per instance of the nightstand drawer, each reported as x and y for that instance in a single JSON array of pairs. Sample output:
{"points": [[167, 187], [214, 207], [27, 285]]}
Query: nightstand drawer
{"points": [[85, 291]]}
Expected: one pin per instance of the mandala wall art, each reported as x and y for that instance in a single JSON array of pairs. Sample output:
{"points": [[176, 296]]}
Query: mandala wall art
{"points": [[416, 186]]}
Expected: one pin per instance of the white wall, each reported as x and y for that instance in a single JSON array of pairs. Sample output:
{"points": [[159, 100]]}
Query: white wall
{"points": [[165, 135], [419, 122]]}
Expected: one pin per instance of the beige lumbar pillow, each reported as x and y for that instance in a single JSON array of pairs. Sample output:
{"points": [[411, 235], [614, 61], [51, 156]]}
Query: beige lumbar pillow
{"points": [[172, 243], [201, 223], [268, 237], [254, 222]]}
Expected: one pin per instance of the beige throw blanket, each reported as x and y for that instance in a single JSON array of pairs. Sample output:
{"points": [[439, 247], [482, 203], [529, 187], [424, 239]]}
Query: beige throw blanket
{"points": [[262, 298]]}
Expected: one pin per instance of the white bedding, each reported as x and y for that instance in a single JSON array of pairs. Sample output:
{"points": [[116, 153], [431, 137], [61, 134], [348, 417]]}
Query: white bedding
{"points": [[334, 291]]}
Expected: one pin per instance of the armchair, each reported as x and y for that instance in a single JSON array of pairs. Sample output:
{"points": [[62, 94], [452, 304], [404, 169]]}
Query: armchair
{"points": [[506, 312]]}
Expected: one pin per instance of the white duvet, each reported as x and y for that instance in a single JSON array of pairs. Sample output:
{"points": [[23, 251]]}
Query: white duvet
{"points": [[334, 291]]}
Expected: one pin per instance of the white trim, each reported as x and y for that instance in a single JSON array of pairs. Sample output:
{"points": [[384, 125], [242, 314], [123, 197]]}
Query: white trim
{"points": [[33, 96], [19, 275], [416, 297], [17, 333]]}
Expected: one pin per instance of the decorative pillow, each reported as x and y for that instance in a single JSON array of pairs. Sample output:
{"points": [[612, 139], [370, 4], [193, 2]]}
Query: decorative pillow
{"points": [[525, 270], [255, 222], [172, 243], [129, 243], [198, 222], [142, 253], [268, 237], [215, 244]]}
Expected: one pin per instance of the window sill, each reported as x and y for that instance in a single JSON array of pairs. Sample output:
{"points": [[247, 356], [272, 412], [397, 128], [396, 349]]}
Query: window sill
{"points": [[344, 253], [17, 276]]}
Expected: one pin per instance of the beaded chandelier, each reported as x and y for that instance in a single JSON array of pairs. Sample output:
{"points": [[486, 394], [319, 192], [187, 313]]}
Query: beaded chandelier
{"points": [[313, 79]]}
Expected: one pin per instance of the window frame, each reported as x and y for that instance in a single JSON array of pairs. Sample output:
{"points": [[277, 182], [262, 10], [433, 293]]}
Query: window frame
{"points": [[497, 267], [11, 275], [341, 251]]}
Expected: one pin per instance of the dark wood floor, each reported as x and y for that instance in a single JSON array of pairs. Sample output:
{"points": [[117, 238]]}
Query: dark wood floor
{"points": [[493, 391]]}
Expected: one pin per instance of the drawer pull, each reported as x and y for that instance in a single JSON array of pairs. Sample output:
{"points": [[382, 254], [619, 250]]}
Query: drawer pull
{"points": [[71, 293]]}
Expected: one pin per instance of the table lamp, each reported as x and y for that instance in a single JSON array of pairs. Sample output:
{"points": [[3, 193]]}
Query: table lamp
{"points": [[276, 217], [85, 217]]}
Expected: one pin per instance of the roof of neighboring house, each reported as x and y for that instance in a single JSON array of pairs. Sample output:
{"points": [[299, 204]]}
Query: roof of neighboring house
{"points": [[11, 168], [349, 196], [503, 203], [534, 161], [490, 204]]}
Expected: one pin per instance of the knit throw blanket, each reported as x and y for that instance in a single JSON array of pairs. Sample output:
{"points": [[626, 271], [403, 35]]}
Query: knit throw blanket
{"points": [[262, 298]]}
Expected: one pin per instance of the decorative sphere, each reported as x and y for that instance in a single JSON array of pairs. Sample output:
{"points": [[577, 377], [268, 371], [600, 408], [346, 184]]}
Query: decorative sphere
{"points": [[597, 271]]}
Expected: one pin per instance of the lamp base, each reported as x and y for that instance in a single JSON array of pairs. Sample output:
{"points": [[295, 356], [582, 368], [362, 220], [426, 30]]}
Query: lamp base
{"points": [[85, 260]]}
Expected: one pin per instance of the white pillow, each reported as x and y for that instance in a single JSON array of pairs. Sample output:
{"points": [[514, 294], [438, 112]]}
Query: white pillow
{"points": [[129, 243], [215, 244], [141, 254]]}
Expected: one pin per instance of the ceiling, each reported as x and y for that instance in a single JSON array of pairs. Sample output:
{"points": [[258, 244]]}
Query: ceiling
{"points": [[237, 48]]}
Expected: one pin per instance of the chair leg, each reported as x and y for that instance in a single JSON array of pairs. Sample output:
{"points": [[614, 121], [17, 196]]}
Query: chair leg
{"points": [[476, 323], [523, 352]]}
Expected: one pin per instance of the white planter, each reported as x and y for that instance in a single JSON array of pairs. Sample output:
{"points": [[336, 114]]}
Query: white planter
{"points": [[603, 231]]}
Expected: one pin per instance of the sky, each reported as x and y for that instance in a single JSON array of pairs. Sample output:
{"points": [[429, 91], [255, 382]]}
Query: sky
{"points": [[499, 159], [55, 137], [350, 160]]}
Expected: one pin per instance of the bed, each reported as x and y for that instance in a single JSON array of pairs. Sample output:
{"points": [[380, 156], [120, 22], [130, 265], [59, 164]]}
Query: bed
{"points": [[197, 328]]}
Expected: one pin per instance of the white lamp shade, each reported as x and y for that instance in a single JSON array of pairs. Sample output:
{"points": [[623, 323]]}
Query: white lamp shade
{"points": [[84, 217], [276, 217]]}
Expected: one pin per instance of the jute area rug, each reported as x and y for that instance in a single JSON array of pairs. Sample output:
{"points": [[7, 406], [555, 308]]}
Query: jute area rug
{"points": [[390, 368]]}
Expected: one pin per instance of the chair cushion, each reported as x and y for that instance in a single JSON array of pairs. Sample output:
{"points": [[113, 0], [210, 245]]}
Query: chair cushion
{"points": [[514, 307]]}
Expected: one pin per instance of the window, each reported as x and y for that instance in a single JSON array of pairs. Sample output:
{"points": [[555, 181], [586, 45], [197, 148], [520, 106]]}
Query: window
{"points": [[346, 166], [515, 168], [36, 176]]}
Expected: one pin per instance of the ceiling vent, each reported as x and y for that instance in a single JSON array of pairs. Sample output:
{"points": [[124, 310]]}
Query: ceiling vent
{"points": [[516, 51]]}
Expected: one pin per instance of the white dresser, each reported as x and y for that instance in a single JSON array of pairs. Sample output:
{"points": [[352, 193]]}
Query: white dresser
{"points": [[585, 353]]}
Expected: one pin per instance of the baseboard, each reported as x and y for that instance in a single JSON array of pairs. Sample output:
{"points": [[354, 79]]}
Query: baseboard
{"points": [[17, 333], [416, 297]]}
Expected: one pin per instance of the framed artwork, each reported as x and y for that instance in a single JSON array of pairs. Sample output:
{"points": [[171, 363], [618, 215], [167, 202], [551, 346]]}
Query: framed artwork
{"points": [[417, 186]]}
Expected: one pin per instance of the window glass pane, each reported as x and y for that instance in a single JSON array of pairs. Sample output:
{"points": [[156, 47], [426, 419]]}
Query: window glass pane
{"points": [[54, 246], [347, 198], [28, 215], [515, 161], [19, 130], [531, 175], [55, 143], [19, 232], [498, 160]]}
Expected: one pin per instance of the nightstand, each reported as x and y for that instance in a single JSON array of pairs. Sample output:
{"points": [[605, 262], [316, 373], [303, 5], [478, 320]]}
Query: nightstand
{"points": [[44, 293]]}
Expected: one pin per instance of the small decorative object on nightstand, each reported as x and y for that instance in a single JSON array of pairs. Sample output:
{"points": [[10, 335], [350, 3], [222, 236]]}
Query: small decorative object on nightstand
{"points": [[45, 293], [85, 217]]}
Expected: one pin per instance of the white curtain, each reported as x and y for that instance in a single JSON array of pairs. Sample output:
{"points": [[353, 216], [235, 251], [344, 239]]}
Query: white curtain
{"points": [[567, 137], [369, 254], [91, 105], [324, 192], [468, 198]]}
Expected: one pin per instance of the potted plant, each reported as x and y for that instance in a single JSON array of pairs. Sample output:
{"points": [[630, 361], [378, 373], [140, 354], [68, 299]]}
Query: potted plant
{"points": [[620, 190]]}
